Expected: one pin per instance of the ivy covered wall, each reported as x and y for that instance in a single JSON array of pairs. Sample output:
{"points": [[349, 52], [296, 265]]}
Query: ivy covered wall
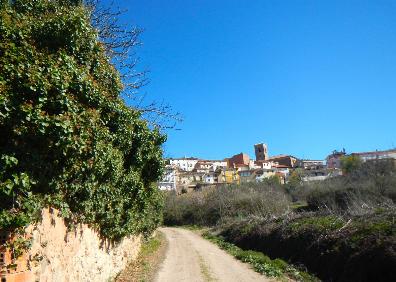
{"points": [[67, 139]]}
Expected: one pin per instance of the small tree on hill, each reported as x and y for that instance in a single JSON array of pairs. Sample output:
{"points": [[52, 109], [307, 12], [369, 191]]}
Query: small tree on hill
{"points": [[350, 163]]}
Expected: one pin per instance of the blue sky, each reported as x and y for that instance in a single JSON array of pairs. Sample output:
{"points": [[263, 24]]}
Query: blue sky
{"points": [[306, 77]]}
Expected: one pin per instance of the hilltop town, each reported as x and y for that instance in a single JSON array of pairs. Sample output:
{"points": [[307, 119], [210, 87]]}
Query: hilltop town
{"points": [[191, 174]]}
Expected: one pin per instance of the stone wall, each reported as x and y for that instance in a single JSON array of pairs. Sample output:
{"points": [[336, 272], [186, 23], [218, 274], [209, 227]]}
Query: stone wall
{"points": [[61, 255]]}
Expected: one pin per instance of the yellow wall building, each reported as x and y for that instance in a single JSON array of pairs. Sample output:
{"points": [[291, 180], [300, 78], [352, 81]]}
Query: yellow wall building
{"points": [[231, 176]]}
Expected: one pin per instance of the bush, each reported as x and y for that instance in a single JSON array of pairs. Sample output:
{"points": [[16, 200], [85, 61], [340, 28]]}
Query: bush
{"points": [[355, 248], [67, 138], [226, 203], [363, 190]]}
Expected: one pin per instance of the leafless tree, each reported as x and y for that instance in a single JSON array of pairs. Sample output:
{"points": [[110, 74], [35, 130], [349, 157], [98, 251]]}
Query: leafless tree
{"points": [[121, 41]]}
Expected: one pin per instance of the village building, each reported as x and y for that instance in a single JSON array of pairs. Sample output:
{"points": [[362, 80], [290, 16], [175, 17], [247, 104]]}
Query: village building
{"points": [[238, 159], [187, 174], [333, 161], [169, 179], [190, 177], [285, 160], [266, 164], [231, 176], [203, 166], [241, 167], [249, 175], [253, 164], [313, 170], [219, 164], [310, 164], [264, 173], [219, 175], [376, 155], [210, 178], [189, 181], [261, 152], [186, 164], [283, 170]]}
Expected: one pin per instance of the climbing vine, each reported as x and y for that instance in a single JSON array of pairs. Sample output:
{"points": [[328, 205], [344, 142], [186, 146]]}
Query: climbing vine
{"points": [[67, 139]]}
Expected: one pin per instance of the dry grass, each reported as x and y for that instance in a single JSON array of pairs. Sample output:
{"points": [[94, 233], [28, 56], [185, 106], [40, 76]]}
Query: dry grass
{"points": [[218, 205], [144, 268], [363, 191]]}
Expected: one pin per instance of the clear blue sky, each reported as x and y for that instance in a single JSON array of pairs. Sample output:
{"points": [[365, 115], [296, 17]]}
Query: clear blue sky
{"points": [[306, 77]]}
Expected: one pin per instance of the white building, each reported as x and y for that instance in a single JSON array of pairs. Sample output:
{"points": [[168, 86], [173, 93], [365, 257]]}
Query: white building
{"points": [[169, 179], [219, 164], [254, 165], [266, 164], [209, 177], [204, 166], [185, 164]]}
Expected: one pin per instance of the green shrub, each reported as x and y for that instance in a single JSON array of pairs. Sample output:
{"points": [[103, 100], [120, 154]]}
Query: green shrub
{"points": [[323, 224], [67, 139]]}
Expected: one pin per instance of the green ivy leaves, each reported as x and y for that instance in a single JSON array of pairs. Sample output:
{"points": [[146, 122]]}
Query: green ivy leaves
{"points": [[67, 138]]}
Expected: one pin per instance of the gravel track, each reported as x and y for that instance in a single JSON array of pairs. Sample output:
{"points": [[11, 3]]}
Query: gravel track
{"points": [[191, 258]]}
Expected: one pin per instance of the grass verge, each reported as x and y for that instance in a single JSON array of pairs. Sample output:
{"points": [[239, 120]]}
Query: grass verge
{"points": [[144, 267], [260, 262]]}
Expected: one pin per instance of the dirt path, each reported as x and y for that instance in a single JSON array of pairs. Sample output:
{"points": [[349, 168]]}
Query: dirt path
{"points": [[191, 258]]}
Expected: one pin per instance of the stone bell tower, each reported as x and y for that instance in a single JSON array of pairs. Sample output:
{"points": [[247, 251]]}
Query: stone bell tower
{"points": [[261, 152]]}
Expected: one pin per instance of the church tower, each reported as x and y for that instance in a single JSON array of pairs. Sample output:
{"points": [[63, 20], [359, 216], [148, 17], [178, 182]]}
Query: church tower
{"points": [[261, 152]]}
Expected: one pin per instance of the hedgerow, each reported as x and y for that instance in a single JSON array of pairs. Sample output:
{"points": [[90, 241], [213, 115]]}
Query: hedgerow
{"points": [[67, 138]]}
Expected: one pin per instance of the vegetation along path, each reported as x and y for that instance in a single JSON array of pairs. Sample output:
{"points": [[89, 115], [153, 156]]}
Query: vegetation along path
{"points": [[191, 258]]}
